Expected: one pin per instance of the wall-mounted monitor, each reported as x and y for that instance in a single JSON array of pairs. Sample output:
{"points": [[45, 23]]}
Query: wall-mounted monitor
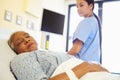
{"points": [[52, 22]]}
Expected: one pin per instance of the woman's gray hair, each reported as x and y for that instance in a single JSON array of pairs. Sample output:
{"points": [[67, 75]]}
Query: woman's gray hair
{"points": [[11, 45], [10, 41]]}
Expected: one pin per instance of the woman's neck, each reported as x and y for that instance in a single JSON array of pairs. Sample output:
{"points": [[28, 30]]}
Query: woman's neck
{"points": [[89, 15]]}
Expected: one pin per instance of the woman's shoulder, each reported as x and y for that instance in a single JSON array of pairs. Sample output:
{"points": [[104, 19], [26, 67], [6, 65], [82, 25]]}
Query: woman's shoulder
{"points": [[92, 18], [22, 57], [26, 54], [89, 21]]}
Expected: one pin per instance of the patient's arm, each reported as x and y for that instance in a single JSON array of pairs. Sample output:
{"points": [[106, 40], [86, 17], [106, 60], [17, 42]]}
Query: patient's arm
{"points": [[80, 70], [86, 67], [62, 76]]}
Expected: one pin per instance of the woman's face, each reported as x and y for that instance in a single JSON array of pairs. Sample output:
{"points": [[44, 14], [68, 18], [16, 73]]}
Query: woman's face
{"points": [[23, 42], [84, 10]]}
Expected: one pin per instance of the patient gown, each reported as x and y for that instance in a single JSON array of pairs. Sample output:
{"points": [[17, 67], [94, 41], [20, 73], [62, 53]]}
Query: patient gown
{"points": [[36, 65]]}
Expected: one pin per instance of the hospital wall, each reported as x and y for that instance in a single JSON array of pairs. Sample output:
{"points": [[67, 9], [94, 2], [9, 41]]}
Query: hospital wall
{"points": [[28, 13]]}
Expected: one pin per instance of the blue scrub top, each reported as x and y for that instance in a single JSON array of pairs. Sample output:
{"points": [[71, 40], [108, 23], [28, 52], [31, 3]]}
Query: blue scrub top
{"points": [[88, 32]]}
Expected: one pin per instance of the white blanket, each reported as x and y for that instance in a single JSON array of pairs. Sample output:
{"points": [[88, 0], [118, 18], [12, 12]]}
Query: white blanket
{"points": [[68, 65]]}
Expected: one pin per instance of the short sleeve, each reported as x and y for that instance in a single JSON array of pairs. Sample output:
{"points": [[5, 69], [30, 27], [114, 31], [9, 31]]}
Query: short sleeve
{"points": [[83, 31]]}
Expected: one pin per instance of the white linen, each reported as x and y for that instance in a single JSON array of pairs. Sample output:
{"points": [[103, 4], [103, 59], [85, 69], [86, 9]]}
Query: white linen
{"points": [[6, 54], [100, 76], [66, 67]]}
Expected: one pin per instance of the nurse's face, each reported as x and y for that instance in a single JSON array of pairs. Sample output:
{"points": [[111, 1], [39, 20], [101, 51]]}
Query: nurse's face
{"points": [[83, 8]]}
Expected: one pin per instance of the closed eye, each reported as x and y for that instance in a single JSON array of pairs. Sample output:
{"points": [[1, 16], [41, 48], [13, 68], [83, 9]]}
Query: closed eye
{"points": [[26, 35], [19, 41]]}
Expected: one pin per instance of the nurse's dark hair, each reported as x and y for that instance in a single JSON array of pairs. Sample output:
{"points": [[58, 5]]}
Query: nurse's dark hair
{"points": [[90, 2]]}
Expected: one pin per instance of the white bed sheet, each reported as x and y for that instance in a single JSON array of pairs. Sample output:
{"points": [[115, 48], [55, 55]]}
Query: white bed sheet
{"points": [[65, 66]]}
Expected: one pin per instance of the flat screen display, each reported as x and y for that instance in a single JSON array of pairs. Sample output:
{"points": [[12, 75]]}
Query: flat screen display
{"points": [[52, 22]]}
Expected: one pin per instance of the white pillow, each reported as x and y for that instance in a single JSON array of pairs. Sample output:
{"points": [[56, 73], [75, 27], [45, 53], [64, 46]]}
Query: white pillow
{"points": [[6, 54]]}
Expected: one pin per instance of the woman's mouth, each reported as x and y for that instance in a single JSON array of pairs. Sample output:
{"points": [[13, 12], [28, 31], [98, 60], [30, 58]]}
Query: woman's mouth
{"points": [[30, 44]]}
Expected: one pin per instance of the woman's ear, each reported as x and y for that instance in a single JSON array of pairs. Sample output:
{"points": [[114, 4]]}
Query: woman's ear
{"points": [[91, 6]]}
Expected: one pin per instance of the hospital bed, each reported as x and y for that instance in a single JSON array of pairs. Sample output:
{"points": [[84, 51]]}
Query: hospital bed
{"points": [[6, 54]]}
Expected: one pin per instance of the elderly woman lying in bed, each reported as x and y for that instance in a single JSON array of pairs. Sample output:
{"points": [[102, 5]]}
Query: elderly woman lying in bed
{"points": [[34, 64]]}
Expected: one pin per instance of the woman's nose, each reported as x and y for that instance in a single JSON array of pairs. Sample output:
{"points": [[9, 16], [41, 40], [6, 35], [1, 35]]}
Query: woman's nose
{"points": [[26, 40]]}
